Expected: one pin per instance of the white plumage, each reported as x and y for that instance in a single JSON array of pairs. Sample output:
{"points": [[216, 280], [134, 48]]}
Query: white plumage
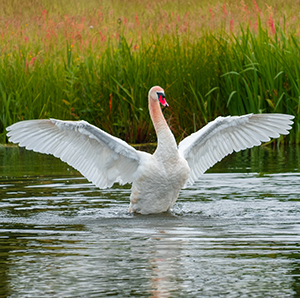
{"points": [[224, 135], [156, 179]]}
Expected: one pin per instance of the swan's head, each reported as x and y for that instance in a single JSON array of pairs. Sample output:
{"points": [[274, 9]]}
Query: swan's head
{"points": [[157, 93]]}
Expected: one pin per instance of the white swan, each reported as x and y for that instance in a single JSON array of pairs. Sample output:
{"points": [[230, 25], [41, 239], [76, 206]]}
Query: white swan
{"points": [[156, 179]]}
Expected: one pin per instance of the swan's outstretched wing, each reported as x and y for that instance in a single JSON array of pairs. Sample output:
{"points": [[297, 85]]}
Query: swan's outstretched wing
{"points": [[100, 157], [224, 135]]}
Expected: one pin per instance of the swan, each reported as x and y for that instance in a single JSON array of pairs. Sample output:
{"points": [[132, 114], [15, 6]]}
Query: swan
{"points": [[156, 179]]}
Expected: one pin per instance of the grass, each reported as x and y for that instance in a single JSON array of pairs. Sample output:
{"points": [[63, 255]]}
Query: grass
{"points": [[81, 60]]}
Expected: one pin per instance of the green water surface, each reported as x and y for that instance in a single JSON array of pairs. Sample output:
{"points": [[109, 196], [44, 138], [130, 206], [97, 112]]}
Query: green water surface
{"points": [[234, 233]]}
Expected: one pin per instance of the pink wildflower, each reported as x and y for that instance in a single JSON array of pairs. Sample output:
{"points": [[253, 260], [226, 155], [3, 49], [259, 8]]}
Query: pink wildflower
{"points": [[211, 13], [225, 10], [32, 60], [231, 25], [271, 24], [256, 6]]}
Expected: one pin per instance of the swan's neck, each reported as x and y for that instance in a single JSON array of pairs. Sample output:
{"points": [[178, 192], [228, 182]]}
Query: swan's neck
{"points": [[165, 138]]}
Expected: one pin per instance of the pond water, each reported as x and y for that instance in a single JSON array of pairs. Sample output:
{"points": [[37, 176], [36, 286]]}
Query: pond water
{"points": [[235, 233]]}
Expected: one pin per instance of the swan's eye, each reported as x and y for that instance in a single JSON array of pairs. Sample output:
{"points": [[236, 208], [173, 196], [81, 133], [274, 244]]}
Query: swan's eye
{"points": [[160, 95]]}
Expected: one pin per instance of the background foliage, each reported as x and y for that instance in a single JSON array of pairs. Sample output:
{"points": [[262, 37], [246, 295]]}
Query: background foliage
{"points": [[96, 60]]}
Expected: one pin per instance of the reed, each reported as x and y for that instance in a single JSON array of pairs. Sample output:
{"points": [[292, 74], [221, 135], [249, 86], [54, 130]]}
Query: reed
{"points": [[84, 61]]}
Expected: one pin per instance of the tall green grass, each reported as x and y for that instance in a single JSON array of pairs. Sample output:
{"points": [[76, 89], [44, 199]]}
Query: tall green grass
{"points": [[219, 71]]}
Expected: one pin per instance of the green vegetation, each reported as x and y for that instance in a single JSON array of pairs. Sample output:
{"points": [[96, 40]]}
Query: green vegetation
{"points": [[96, 60]]}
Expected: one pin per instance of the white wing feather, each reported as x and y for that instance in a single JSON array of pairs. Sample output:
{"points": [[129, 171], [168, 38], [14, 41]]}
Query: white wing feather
{"points": [[224, 135], [100, 157]]}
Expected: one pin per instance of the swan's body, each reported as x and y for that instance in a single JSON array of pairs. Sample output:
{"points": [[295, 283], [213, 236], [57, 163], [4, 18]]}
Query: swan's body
{"points": [[156, 179]]}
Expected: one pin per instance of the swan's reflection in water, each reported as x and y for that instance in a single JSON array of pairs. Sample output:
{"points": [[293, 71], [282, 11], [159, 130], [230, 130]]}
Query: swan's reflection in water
{"points": [[165, 264]]}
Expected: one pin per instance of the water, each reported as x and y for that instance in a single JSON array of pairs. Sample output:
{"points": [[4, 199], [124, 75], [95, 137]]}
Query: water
{"points": [[235, 233]]}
